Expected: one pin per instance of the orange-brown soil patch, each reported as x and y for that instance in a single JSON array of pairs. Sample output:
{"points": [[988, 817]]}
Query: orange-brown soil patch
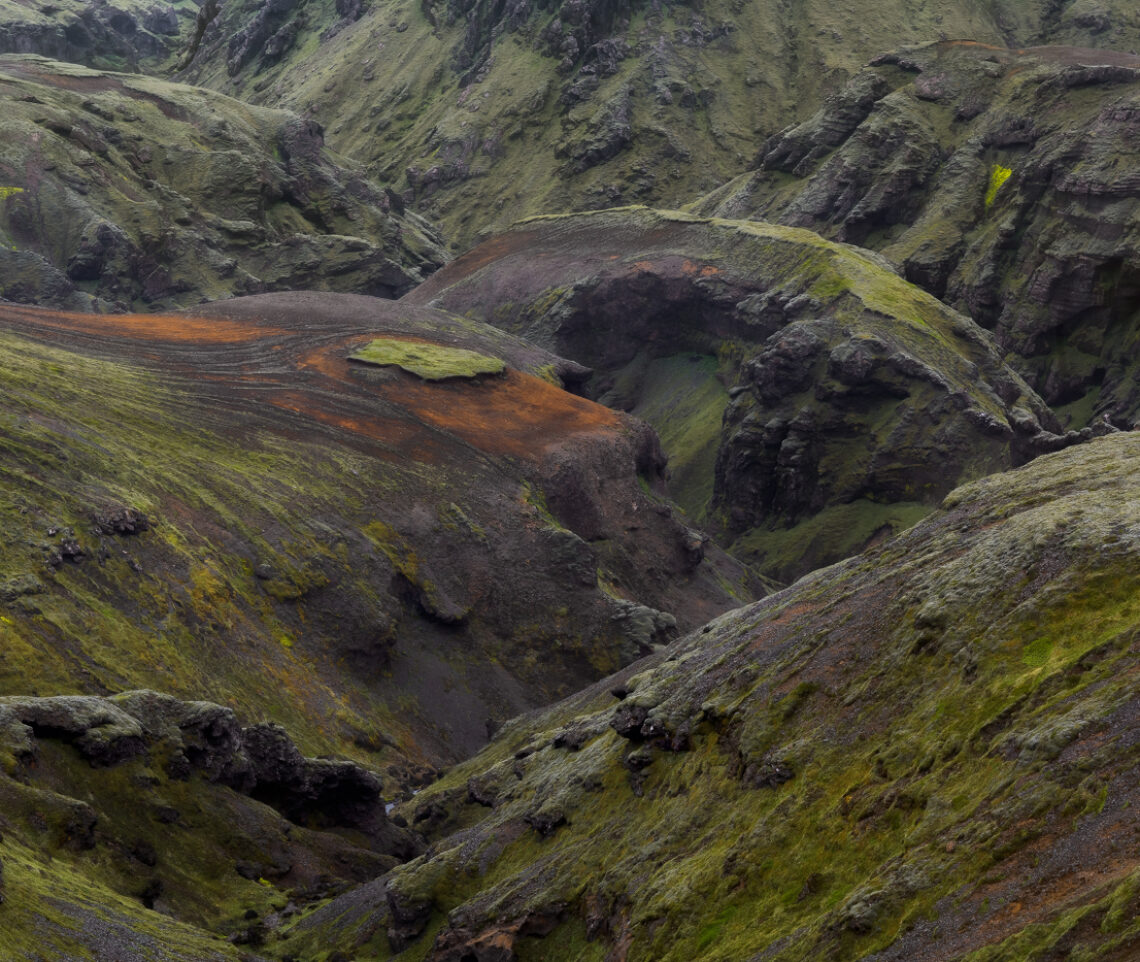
{"points": [[517, 414], [306, 372], [150, 327]]}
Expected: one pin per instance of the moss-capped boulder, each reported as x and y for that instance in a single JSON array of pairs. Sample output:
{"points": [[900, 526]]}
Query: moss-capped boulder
{"points": [[810, 399], [924, 752], [120, 191], [431, 362]]}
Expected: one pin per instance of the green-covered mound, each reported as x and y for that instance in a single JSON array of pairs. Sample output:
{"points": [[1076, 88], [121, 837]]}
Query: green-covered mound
{"points": [[810, 399], [119, 191], [432, 362], [927, 752]]}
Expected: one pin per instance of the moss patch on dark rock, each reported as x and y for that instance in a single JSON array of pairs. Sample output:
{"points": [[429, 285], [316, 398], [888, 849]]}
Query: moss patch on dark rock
{"points": [[431, 362]]}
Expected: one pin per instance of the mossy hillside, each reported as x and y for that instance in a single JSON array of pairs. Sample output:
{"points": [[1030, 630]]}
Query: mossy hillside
{"points": [[937, 156], [832, 374], [40, 924], [841, 530], [431, 362], [884, 758], [319, 573], [684, 399], [673, 108], [135, 192], [159, 622], [198, 852]]}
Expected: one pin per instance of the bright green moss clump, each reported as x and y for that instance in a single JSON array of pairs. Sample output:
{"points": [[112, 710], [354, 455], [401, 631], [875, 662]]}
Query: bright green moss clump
{"points": [[998, 176], [432, 362]]}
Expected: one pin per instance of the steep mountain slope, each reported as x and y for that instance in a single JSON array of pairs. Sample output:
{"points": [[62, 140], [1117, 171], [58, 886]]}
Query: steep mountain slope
{"points": [[120, 191], [810, 399], [1002, 182], [485, 112], [242, 513], [928, 752], [110, 34]]}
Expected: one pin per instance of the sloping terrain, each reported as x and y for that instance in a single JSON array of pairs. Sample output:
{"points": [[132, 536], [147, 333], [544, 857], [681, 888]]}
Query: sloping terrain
{"points": [[484, 112], [810, 400], [123, 192], [242, 513], [926, 753], [122, 815], [1002, 181]]}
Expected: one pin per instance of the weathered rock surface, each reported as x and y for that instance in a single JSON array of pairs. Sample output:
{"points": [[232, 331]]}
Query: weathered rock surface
{"points": [[485, 111], [123, 191], [108, 34], [809, 398], [1000, 181], [158, 803], [926, 752]]}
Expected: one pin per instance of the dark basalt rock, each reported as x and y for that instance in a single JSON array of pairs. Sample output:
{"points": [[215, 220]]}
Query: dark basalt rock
{"points": [[1047, 259]]}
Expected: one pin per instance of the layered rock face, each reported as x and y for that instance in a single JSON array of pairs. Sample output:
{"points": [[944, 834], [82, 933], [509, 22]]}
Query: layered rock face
{"points": [[928, 752], [124, 191], [484, 112], [999, 181], [111, 34], [810, 399]]}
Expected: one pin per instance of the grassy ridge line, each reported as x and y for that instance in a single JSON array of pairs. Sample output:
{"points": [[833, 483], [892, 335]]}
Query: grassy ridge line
{"points": [[928, 751]]}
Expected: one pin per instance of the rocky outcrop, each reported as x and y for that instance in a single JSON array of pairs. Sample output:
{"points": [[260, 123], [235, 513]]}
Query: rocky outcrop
{"points": [[201, 738], [582, 104], [808, 716], [108, 34], [994, 179], [186, 811], [120, 192], [806, 387]]}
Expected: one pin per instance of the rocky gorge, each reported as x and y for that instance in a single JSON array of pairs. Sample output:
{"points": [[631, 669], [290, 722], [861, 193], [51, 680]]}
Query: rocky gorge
{"points": [[577, 481]]}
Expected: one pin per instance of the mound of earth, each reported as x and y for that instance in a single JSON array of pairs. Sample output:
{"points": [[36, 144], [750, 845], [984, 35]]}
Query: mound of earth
{"points": [[810, 400], [1000, 181], [120, 191], [927, 752], [116, 806], [482, 112], [223, 505]]}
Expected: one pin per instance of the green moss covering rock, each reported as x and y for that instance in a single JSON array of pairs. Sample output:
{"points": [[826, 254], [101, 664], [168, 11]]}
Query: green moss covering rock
{"points": [[431, 362], [1000, 181]]}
